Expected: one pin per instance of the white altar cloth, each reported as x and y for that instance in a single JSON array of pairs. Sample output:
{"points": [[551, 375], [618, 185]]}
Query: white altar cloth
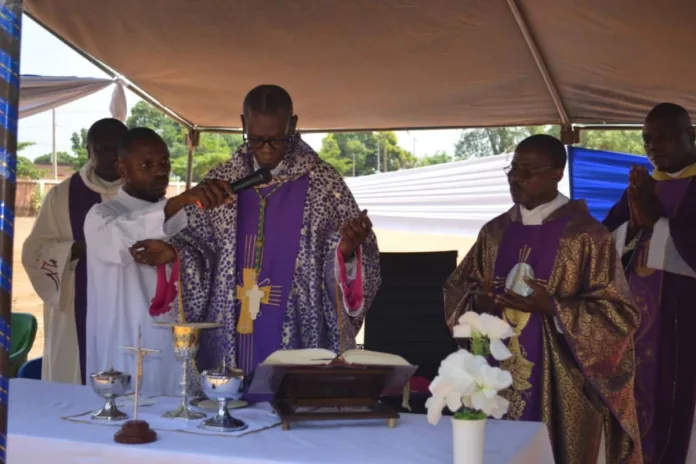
{"points": [[38, 435]]}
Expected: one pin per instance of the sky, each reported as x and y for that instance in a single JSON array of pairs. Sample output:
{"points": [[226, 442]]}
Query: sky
{"points": [[44, 54]]}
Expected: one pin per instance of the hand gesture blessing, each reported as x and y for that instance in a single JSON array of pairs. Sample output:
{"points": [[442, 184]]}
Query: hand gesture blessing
{"points": [[353, 234]]}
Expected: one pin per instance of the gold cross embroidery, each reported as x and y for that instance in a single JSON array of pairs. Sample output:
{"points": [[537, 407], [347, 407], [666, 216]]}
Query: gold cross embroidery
{"points": [[251, 296]]}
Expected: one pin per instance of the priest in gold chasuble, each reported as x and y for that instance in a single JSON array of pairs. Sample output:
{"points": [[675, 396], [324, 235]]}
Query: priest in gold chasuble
{"points": [[552, 271]]}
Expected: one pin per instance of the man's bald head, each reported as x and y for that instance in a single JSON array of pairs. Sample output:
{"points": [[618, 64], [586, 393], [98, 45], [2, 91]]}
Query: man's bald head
{"points": [[102, 141], [674, 114], [268, 100], [668, 138], [268, 123], [138, 136]]}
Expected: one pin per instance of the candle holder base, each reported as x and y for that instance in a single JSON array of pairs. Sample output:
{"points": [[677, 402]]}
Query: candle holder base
{"points": [[135, 432]]}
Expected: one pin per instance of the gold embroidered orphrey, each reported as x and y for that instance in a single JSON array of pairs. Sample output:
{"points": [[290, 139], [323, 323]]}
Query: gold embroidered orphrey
{"points": [[518, 365]]}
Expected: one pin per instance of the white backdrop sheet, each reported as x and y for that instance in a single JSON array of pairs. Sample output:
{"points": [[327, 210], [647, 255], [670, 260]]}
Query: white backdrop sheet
{"points": [[42, 93], [447, 199]]}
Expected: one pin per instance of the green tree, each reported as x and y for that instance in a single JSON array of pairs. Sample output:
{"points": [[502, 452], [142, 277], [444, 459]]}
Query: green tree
{"points": [[145, 115], [212, 149], [478, 143], [331, 153], [26, 169], [64, 159], [348, 151], [623, 141], [440, 157], [79, 147]]}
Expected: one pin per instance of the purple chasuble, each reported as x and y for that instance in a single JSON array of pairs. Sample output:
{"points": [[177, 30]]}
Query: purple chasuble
{"points": [[281, 241], [80, 200], [536, 246], [653, 340]]}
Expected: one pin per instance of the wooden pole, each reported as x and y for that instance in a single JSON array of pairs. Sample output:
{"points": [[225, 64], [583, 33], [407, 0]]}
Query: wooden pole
{"points": [[10, 39]]}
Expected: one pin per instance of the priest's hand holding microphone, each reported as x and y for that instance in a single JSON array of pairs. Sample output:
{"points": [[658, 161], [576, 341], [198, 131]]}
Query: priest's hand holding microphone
{"points": [[207, 195]]}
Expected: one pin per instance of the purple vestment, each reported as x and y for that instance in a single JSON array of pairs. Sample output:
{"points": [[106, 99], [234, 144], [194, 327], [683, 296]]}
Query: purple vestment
{"points": [[283, 223], [80, 200], [303, 220], [665, 384], [535, 246]]}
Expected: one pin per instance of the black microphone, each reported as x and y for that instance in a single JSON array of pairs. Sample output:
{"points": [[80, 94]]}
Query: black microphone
{"points": [[258, 177]]}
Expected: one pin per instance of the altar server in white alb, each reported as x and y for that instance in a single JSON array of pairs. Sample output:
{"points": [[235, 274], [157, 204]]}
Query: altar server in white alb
{"points": [[54, 253], [127, 287]]}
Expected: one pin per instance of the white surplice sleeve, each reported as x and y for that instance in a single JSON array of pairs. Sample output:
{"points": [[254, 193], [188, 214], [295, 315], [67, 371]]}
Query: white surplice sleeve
{"points": [[663, 253], [110, 233], [46, 251]]}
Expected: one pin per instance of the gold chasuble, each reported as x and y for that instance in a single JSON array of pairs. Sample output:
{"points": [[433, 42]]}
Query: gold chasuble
{"points": [[581, 379]]}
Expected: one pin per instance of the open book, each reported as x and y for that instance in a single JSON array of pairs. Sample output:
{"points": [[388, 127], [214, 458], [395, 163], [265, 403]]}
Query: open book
{"points": [[318, 357]]}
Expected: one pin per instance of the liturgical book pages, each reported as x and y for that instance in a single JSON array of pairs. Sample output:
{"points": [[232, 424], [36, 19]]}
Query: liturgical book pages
{"points": [[318, 357]]}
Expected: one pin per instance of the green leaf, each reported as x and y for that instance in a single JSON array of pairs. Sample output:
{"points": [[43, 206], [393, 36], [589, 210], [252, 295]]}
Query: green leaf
{"points": [[469, 414]]}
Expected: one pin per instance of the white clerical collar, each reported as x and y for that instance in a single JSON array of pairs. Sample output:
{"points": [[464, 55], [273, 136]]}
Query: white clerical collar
{"points": [[96, 183], [274, 172], [130, 202], [538, 215]]}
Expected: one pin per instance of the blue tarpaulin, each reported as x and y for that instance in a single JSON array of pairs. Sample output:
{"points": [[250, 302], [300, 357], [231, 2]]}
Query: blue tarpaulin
{"points": [[600, 177]]}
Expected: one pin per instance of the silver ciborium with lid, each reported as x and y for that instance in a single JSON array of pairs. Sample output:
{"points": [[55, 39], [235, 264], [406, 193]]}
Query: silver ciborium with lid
{"points": [[110, 384], [222, 385]]}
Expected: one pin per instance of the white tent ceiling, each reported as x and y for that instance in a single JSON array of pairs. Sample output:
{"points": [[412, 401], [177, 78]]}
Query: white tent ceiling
{"points": [[386, 64]]}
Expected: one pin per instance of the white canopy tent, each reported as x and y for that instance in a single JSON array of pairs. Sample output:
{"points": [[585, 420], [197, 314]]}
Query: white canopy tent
{"points": [[42, 93], [448, 199]]}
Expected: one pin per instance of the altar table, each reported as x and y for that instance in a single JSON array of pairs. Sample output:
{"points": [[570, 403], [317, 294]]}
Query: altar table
{"points": [[38, 435]]}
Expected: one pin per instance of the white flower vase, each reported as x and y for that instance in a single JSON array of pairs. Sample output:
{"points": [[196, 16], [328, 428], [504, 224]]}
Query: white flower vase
{"points": [[468, 440]]}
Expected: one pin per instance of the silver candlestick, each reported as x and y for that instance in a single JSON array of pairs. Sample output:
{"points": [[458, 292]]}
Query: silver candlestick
{"points": [[223, 385], [185, 341]]}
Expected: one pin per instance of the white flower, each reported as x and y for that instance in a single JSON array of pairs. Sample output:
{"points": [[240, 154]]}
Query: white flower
{"points": [[466, 380], [488, 382], [494, 328]]}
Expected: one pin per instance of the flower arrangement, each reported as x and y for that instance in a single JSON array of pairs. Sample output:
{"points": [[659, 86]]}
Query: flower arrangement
{"points": [[466, 384]]}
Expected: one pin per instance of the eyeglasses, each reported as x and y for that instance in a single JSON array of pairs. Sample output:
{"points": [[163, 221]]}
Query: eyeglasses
{"points": [[258, 143], [524, 173]]}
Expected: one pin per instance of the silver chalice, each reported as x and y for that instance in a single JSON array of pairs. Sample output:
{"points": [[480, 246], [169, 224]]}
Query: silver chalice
{"points": [[110, 385], [222, 385]]}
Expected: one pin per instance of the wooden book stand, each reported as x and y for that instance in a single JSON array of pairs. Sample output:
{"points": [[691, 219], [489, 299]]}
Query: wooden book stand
{"points": [[334, 392]]}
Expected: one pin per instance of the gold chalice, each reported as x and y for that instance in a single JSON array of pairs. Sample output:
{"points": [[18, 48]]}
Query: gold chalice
{"points": [[185, 336]]}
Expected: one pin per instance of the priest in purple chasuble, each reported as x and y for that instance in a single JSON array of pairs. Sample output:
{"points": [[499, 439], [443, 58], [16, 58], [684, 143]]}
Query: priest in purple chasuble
{"points": [[288, 265], [654, 224], [552, 271], [54, 253]]}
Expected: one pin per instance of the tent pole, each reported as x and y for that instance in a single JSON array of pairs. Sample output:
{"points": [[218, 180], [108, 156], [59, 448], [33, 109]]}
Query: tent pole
{"points": [[540, 64], [192, 140], [10, 40]]}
